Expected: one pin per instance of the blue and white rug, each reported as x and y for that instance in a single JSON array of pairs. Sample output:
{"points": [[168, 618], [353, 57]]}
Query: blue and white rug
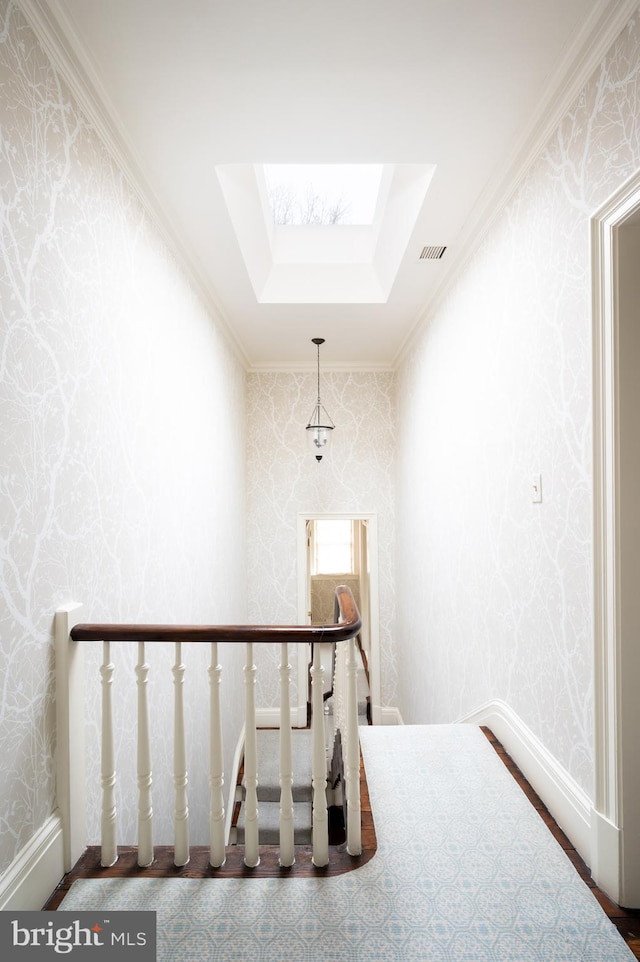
{"points": [[466, 871]]}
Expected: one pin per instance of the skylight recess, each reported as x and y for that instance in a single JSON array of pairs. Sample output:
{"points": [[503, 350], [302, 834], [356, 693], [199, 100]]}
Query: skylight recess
{"points": [[323, 195], [321, 262]]}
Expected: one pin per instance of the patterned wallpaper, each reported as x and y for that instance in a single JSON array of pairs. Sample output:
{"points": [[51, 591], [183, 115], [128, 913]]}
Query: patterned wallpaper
{"points": [[124, 463], [358, 475], [122, 433], [496, 591]]}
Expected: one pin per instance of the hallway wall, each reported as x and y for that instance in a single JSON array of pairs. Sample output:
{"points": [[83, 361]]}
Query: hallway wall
{"points": [[357, 475], [496, 591], [122, 435]]}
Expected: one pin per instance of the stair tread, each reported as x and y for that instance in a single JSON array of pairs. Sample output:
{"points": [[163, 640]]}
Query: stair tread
{"points": [[269, 823], [269, 764]]}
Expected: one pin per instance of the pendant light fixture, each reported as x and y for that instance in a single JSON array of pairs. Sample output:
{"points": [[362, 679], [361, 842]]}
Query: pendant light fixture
{"points": [[320, 424]]}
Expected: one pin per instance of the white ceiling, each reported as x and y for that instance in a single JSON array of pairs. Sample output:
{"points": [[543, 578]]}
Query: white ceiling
{"points": [[180, 86]]}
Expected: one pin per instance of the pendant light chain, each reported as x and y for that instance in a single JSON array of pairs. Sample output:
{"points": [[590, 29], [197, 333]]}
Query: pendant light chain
{"points": [[318, 350]]}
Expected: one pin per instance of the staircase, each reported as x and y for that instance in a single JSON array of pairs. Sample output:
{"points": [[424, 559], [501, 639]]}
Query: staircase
{"points": [[269, 787], [268, 753]]}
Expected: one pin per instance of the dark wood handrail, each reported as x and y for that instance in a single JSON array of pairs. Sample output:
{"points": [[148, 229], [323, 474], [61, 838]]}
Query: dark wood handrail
{"points": [[349, 626]]}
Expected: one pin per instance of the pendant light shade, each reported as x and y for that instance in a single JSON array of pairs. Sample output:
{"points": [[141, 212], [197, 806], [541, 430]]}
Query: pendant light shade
{"points": [[320, 424]]}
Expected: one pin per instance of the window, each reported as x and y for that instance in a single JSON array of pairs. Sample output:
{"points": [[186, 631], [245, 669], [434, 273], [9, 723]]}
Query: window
{"points": [[323, 194], [333, 550]]}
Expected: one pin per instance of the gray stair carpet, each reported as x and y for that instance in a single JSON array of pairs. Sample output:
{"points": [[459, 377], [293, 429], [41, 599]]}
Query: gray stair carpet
{"points": [[269, 764], [269, 787], [269, 823]]}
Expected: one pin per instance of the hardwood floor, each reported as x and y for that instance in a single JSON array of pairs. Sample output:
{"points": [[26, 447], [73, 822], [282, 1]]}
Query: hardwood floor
{"points": [[627, 921]]}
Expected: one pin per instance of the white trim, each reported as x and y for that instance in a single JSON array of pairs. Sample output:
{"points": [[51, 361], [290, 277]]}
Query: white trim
{"points": [[608, 841], [298, 367], [606, 845], [375, 685], [70, 726], [270, 718], [567, 802], [391, 716], [36, 871]]}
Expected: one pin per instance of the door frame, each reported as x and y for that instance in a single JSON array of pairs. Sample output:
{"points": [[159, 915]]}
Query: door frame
{"points": [[374, 605], [608, 864]]}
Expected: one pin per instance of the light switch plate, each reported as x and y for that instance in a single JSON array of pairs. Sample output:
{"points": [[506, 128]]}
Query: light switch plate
{"points": [[536, 484]]}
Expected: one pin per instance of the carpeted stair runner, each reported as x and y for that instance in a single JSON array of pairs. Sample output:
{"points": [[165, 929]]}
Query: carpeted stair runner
{"points": [[269, 787], [268, 752]]}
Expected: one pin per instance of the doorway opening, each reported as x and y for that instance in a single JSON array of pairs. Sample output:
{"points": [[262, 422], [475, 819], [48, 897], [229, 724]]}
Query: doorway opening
{"points": [[338, 549], [616, 360]]}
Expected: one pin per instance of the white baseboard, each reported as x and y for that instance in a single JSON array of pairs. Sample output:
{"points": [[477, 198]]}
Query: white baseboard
{"points": [[36, 871], [567, 802], [391, 716], [270, 718]]}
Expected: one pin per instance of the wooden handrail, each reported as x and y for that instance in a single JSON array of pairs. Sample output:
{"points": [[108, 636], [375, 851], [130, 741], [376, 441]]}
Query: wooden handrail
{"points": [[348, 627]]}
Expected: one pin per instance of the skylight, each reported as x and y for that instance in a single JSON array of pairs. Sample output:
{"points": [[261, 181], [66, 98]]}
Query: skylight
{"points": [[323, 194], [310, 261]]}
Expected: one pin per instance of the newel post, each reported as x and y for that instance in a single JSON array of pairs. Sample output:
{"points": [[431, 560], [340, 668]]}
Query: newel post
{"points": [[70, 726]]}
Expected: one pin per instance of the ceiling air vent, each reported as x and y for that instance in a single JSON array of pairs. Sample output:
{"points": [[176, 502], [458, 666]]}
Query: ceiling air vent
{"points": [[432, 253]]}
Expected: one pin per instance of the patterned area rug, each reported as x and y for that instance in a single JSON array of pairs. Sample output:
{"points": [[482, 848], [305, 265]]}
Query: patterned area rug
{"points": [[466, 871]]}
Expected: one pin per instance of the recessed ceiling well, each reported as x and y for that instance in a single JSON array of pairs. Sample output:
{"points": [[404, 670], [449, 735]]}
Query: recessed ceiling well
{"points": [[310, 262]]}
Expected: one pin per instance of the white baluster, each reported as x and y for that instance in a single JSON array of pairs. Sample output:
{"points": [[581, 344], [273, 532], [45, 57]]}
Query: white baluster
{"points": [[145, 809], [319, 770], [352, 778], [180, 778], [251, 845], [287, 850], [109, 853], [217, 855]]}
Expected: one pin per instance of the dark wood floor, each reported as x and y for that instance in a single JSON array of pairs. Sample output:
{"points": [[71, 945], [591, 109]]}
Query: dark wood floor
{"points": [[198, 866], [627, 921]]}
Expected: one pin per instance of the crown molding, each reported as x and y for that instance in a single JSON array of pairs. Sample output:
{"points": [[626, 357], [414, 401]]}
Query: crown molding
{"points": [[58, 36], [336, 367], [582, 57]]}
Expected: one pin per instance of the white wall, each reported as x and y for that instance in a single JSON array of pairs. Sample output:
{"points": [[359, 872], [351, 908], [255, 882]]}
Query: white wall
{"points": [[495, 592], [357, 475], [121, 431]]}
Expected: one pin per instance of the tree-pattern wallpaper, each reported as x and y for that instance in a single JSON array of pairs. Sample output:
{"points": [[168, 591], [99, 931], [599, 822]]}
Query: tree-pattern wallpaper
{"points": [[122, 436], [128, 439], [356, 475], [496, 596]]}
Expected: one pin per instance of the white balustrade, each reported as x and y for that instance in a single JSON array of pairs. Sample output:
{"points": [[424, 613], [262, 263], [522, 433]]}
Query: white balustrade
{"points": [[145, 809], [109, 854], [287, 849], [320, 823], [251, 846], [180, 776], [216, 770], [71, 764]]}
